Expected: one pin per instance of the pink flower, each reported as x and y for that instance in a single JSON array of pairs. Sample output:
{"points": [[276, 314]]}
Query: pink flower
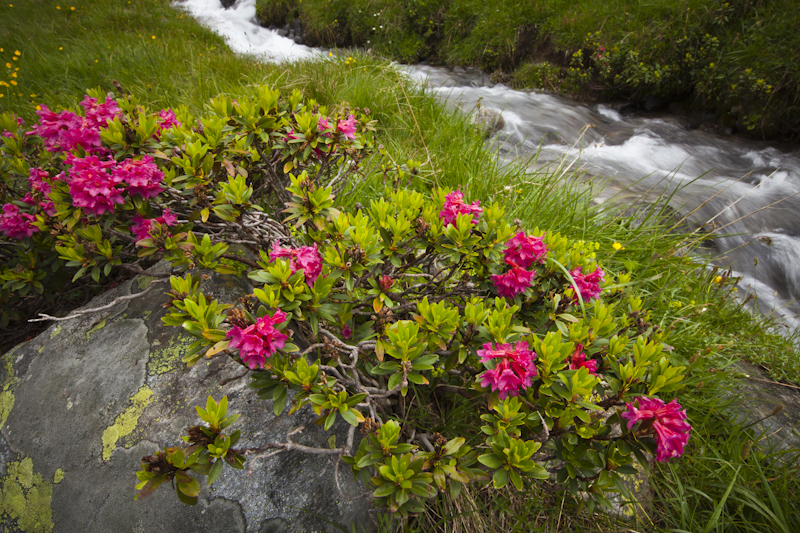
{"points": [[166, 120], [307, 259], [579, 361], [454, 205], [524, 250], [668, 423], [66, 131], [515, 281], [513, 368], [37, 183], [347, 333], [99, 115], [143, 227], [142, 175], [588, 284], [15, 224], [347, 127], [258, 341], [323, 124], [91, 186]]}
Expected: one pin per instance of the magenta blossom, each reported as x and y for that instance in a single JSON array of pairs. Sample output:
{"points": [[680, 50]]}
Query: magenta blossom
{"points": [[37, 181], [588, 284], [525, 250], [454, 205], [143, 227], [166, 120], [258, 341], [307, 259], [347, 127], [347, 332], [99, 115], [513, 368], [667, 421], [579, 361], [323, 124], [91, 186], [515, 281], [142, 175], [15, 224]]}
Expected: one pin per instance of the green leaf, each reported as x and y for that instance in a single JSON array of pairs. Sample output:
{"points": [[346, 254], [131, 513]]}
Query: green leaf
{"points": [[215, 472], [491, 460]]}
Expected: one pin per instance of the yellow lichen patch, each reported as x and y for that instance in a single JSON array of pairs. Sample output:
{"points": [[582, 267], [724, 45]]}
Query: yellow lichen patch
{"points": [[100, 325], [169, 358], [26, 498], [144, 281], [6, 404], [58, 476], [126, 422], [56, 331]]}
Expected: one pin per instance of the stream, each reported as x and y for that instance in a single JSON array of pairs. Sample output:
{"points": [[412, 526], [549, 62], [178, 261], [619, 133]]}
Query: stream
{"points": [[732, 185]]}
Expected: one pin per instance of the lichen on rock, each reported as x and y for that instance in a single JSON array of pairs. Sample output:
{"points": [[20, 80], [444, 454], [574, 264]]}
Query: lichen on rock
{"points": [[126, 422]]}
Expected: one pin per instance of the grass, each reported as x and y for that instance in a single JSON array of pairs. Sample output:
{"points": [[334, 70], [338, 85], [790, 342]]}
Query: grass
{"points": [[722, 483]]}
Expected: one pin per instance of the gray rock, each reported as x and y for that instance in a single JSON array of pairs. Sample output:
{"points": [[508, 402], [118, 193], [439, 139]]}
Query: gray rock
{"points": [[489, 120], [84, 401]]}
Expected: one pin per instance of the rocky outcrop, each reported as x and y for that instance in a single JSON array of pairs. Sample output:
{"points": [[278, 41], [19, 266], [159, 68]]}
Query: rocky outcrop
{"points": [[83, 402]]}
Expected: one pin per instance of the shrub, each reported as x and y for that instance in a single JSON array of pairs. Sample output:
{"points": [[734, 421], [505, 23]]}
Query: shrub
{"points": [[417, 295]]}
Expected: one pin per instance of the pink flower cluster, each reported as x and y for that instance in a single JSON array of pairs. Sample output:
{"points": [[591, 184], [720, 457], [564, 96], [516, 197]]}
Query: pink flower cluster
{"points": [[97, 186], [40, 189], [142, 176], [143, 227], [521, 252], [588, 284], [454, 205], [66, 130], [513, 370], [347, 127], [92, 186], [15, 224], [525, 250], [307, 258], [514, 281], [258, 341], [579, 361], [166, 120], [668, 422]]}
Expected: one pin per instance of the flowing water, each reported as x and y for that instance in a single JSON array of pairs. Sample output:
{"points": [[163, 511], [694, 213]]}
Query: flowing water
{"points": [[731, 185]]}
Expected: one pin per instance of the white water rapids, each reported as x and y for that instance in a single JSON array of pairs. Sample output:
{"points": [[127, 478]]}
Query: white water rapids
{"points": [[743, 187]]}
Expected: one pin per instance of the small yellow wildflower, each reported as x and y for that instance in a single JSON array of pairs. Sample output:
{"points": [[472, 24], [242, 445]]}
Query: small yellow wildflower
{"points": [[617, 246], [95, 61], [1, 49], [16, 53], [38, 108], [8, 65], [154, 36], [718, 279], [1, 95], [60, 47], [13, 82], [58, 7], [330, 54], [13, 74], [72, 8], [14, 58]]}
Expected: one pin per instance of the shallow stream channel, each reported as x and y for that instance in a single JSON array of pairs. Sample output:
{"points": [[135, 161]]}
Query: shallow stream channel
{"points": [[744, 188]]}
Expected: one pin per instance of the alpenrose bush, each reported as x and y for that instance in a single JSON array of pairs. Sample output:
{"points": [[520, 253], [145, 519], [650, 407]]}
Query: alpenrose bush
{"points": [[411, 296]]}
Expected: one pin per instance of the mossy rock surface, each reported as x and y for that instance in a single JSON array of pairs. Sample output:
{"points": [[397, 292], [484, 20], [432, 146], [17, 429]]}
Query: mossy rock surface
{"points": [[84, 401]]}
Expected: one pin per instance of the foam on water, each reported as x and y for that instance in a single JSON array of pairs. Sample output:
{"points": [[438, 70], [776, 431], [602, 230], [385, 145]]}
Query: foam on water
{"points": [[237, 25]]}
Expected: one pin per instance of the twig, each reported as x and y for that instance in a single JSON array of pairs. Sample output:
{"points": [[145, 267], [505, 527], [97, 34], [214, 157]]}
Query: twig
{"points": [[118, 299]]}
